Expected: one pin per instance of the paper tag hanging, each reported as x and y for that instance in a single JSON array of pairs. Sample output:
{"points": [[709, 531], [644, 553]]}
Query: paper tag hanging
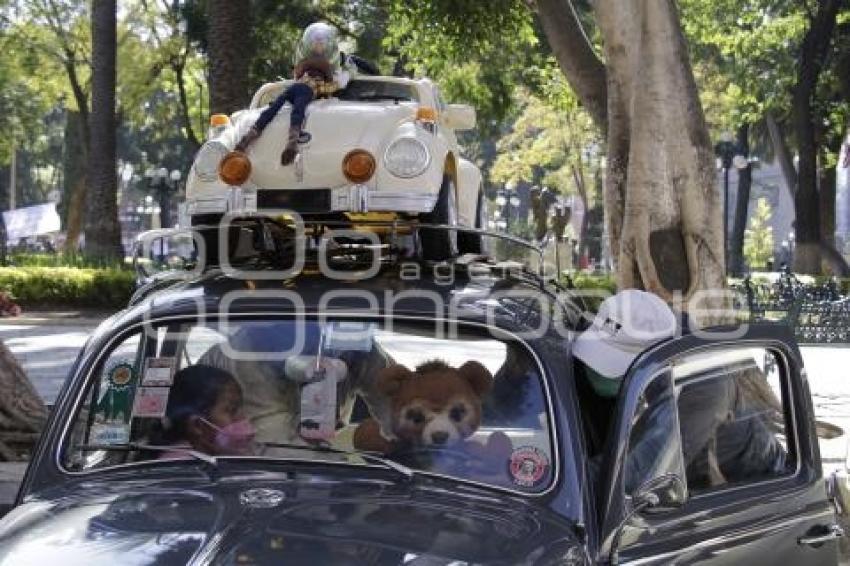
{"points": [[318, 409]]}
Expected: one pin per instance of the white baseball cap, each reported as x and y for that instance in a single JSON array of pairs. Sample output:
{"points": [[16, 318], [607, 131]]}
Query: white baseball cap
{"points": [[625, 325]]}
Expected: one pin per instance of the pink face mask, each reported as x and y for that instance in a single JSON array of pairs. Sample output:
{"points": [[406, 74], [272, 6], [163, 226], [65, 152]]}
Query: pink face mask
{"points": [[235, 439]]}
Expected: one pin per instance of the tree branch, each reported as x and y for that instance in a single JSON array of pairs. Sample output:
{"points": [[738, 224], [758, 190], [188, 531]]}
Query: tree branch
{"points": [[580, 64]]}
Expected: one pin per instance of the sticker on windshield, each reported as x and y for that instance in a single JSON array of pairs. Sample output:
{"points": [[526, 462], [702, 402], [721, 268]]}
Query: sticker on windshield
{"points": [[350, 336], [159, 372], [151, 402], [114, 405], [109, 433], [528, 466]]}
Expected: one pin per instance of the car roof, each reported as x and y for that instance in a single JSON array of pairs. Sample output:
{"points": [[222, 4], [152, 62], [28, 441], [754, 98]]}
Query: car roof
{"points": [[511, 300]]}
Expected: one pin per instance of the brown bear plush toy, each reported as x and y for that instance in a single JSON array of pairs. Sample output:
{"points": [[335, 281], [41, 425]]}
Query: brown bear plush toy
{"points": [[437, 406]]}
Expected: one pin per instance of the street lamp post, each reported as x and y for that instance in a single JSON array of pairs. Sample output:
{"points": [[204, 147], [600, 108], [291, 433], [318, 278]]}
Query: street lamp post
{"points": [[728, 154], [163, 183]]}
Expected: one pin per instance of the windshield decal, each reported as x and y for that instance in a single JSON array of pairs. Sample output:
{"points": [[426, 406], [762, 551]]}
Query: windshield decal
{"points": [[528, 466]]}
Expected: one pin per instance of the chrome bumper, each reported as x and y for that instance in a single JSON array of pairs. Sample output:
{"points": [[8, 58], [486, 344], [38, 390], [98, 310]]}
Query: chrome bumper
{"points": [[354, 198]]}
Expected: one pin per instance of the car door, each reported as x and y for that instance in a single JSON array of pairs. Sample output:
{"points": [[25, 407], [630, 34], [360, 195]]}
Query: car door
{"points": [[741, 433]]}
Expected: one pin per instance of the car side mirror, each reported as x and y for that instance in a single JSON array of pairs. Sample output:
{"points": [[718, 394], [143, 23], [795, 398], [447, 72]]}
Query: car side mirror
{"points": [[459, 117], [159, 253], [660, 494], [657, 495]]}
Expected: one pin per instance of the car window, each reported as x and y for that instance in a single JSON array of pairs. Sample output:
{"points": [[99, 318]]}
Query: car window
{"points": [[654, 440], [467, 405], [733, 406], [716, 418], [438, 96], [365, 91], [105, 418]]}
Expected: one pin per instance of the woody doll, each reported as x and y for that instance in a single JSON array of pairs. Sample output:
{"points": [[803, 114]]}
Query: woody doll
{"points": [[316, 76]]}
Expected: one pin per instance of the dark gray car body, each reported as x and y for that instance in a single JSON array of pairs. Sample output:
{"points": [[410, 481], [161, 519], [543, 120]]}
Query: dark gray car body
{"points": [[247, 511]]}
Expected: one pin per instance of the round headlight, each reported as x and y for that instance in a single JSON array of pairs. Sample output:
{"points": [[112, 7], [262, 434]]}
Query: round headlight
{"points": [[407, 157], [207, 160]]}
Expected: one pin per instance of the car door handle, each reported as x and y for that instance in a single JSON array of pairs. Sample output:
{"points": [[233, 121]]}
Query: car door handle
{"points": [[832, 532]]}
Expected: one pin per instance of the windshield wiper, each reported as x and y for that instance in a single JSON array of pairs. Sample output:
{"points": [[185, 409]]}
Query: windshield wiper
{"points": [[132, 446], [368, 456]]}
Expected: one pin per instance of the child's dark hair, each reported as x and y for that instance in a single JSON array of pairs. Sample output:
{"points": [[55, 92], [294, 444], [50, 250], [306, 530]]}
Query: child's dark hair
{"points": [[195, 392]]}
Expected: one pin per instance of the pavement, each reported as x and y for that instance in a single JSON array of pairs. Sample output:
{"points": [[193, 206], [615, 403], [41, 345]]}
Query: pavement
{"points": [[46, 344]]}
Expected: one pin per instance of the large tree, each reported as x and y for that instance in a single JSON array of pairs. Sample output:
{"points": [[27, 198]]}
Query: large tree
{"points": [[662, 203], [229, 46], [103, 233], [815, 46]]}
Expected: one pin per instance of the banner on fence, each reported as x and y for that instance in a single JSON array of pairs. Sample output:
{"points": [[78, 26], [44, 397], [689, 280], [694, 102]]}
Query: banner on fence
{"points": [[31, 221]]}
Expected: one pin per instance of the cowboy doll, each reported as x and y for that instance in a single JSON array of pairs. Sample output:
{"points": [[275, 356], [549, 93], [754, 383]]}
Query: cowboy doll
{"points": [[316, 76]]}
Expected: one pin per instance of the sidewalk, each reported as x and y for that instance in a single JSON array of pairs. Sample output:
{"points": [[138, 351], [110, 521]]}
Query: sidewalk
{"points": [[46, 343]]}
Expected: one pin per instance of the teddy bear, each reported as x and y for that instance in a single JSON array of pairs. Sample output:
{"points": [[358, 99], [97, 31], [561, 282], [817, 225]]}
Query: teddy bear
{"points": [[434, 408]]}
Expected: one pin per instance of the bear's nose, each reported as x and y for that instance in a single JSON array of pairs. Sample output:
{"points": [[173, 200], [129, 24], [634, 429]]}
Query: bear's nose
{"points": [[439, 437]]}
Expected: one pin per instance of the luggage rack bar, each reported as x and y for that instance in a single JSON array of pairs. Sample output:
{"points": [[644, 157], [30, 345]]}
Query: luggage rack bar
{"points": [[317, 228]]}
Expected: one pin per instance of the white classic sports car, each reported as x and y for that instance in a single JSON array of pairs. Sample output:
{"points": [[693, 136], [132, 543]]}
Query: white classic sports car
{"points": [[381, 145]]}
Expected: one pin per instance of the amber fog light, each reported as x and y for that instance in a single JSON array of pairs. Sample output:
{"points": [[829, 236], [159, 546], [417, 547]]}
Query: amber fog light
{"points": [[235, 168], [358, 166]]}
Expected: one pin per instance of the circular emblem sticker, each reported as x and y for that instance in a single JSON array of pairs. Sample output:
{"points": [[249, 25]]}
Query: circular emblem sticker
{"points": [[528, 466], [121, 375]]}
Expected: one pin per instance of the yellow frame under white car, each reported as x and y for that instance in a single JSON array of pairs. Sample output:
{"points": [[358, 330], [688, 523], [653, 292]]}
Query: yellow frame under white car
{"points": [[405, 132]]}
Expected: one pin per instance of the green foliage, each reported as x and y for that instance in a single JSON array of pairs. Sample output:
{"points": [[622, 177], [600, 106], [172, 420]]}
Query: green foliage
{"points": [[477, 51], [758, 238], [108, 288], [552, 141], [752, 46]]}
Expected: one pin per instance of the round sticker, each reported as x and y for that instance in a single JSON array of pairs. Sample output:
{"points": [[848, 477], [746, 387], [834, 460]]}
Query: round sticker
{"points": [[121, 375], [528, 466]]}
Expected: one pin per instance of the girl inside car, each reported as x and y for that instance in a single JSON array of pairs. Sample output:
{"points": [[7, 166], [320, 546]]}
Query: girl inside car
{"points": [[205, 413]]}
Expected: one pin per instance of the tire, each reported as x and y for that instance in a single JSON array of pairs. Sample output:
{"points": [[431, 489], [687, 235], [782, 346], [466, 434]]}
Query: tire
{"points": [[440, 245], [468, 243]]}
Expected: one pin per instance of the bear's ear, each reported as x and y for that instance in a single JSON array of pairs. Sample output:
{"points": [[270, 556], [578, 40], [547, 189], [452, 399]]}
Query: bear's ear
{"points": [[478, 377], [391, 379]]}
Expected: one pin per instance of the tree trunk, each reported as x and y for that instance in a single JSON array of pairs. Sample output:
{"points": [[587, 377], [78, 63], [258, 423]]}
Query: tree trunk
{"points": [[826, 194], [229, 41], [782, 152], [742, 205], [192, 138], [103, 233], [816, 42], [662, 203], [74, 180], [22, 412]]}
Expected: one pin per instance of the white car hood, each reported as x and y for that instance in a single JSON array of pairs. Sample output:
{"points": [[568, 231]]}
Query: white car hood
{"points": [[336, 127]]}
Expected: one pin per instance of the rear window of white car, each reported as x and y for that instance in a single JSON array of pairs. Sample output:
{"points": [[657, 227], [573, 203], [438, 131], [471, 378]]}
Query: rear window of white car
{"points": [[368, 91]]}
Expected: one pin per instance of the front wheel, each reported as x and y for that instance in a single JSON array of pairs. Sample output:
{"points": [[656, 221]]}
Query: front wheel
{"points": [[440, 245]]}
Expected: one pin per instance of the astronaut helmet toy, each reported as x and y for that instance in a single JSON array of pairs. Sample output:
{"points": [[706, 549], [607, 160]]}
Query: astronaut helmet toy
{"points": [[319, 41]]}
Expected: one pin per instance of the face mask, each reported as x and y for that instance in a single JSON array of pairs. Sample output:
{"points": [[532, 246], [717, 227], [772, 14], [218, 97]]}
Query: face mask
{"points": [[237, 438]]}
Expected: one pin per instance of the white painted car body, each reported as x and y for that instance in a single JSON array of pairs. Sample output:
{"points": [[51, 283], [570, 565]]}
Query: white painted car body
{"points": [[337, 126]]}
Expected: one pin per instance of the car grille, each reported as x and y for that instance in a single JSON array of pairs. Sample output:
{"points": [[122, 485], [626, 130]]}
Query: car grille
{"points": [[300, 200]]}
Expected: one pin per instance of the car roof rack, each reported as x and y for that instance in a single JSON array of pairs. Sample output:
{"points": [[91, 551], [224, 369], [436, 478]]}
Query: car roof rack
{"points": [[352, 254], [274, 241]]}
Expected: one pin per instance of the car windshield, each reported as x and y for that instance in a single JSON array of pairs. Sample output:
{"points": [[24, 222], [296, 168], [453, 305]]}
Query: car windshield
{"points": [[365, 91], [455, 402]]}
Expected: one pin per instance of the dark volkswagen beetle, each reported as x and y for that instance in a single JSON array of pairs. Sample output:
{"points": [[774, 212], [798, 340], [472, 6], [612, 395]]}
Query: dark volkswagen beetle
{"points": [[531, 468]]}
